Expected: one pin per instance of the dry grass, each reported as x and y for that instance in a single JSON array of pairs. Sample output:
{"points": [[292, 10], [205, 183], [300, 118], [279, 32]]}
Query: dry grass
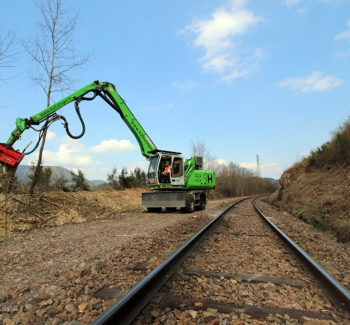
{"points": [[24, 211], [319, 197]]}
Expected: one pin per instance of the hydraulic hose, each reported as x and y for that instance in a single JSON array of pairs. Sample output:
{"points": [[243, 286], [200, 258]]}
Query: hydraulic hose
{"points": [[41, 134], [65, 123]]}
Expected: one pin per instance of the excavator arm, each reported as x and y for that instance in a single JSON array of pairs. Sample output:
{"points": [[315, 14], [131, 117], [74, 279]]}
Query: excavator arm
{"points": [[105, 90]]}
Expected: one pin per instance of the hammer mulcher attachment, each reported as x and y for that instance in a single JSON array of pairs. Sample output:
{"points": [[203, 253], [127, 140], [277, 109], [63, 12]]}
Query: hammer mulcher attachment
{"points": [[9, 157]]}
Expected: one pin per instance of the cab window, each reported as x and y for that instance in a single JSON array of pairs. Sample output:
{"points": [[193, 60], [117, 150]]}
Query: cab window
{"points": [[177, 168], [153, 167]]}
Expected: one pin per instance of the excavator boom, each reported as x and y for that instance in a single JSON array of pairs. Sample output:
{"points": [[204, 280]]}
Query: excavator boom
{"points": [[106, 91], [183, 185]]}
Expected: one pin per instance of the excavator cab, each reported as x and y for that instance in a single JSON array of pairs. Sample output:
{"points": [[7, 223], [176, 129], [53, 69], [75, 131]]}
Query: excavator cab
{"points": [[160, 175]]}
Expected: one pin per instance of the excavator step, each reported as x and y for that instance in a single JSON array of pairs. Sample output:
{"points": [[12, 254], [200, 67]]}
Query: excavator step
{"points": [[9, 156]]}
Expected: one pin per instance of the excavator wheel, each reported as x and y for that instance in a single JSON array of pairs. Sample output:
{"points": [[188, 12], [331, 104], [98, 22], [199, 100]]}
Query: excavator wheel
{"points": [[190, 204], [202, 203]]}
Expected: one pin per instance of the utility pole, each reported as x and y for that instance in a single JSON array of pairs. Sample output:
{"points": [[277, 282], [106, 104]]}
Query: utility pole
{"points": [[258, 171]]}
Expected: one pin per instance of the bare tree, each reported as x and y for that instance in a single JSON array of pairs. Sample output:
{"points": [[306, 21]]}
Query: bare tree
{"points": [[200, 149], [8, 54], [54, 54]]}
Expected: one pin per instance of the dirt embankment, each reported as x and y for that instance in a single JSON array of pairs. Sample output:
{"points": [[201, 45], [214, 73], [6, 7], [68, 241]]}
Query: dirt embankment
{"points": [[318, 196], [21, 212]]}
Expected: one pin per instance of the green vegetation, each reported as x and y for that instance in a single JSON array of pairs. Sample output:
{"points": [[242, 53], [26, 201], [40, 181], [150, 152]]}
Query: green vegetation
{"points": [[334, 152], [79, 181], [136, 178]]}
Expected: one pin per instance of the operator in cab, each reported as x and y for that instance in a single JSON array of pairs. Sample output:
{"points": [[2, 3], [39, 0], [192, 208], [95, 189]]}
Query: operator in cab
{"points": [[166, 172]]}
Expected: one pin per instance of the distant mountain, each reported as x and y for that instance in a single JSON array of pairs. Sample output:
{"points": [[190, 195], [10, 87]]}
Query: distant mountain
{"points": [[57, 173], [96, 182], [272, 180]]}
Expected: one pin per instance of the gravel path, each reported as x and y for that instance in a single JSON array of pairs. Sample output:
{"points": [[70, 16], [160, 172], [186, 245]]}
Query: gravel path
{"points": [[75, 271], [243, 274]]}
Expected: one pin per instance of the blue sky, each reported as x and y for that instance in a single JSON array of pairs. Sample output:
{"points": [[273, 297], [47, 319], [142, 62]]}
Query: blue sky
{"points": [[245, 77]]}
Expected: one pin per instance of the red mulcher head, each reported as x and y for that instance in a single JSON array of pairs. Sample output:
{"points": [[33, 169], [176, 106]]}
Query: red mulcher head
{"points": [[9, 156]]}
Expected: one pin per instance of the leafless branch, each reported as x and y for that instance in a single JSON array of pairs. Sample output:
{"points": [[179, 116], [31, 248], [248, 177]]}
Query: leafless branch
{"points": [[55, 56], [8, 55], [53, 50]]}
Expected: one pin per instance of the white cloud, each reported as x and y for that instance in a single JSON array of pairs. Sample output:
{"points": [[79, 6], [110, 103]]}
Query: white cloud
{"points": [[217, 35], [343, 54], [248, 165], [74, 155], [316, 81], [113, 146], [345, 34], [221, 161], [252, 165], [267, 170], [69, 154], [291, 3], [50, 135], [186, 85]]}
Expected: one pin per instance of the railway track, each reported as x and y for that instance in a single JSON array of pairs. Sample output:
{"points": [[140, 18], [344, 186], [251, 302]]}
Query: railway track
{"points": [[241, 273]]}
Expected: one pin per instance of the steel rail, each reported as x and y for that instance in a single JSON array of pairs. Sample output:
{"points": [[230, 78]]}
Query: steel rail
{"points": [[125, 310], [341, 294]]}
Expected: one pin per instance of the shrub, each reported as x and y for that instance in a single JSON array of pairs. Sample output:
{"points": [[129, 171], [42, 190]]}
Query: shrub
{"points": [[79, 181], [334, 152], [126, 179], [112, 180]]}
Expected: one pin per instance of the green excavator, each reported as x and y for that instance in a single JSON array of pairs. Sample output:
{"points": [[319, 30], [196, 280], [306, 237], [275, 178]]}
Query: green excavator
{"points": [[175, 182]]}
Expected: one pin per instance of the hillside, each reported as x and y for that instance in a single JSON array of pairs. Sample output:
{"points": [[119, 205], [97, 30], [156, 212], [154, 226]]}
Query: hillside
{"points": [[57, 172], [317, 190]]}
